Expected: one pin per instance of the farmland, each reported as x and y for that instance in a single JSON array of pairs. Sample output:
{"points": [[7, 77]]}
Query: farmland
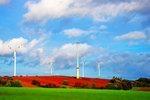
{"points": [[58, 81], [9, 93]]}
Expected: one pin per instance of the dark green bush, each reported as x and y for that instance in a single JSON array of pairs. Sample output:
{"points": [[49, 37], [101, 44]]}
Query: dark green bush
{"points": [[141, 82], [9, 82], [35, 82], [3, 82], [65, 82], [1, 78], [118, 83], [9, 78], [112, 86], [144, 80], [50, 85], [85, 85], [63, 86], [93, 86], [15, 83]]}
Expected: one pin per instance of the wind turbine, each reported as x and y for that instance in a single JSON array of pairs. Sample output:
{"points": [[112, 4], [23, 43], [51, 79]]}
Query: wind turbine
{"points": [[98, 66], [51, 67], [14, 57], [77, 62]]}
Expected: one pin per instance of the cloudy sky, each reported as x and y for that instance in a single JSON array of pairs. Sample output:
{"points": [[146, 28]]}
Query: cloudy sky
{"points": [[115, 33]]}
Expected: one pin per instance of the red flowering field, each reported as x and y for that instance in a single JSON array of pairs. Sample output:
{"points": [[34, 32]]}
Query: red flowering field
{"points": [[61, 80]]}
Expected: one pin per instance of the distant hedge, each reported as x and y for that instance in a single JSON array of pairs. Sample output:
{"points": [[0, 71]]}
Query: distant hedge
{"points": [[141, 82], [9, 82], [119, 84]]}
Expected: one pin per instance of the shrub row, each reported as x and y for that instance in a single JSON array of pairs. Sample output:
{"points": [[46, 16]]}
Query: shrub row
{"points": [[118, 84], [141, 82], [49, 85], [9, 82], [64, 84]]}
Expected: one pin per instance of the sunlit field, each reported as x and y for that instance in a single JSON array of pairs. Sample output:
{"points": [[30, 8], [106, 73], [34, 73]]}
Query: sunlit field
{"points": [[9, 93]]}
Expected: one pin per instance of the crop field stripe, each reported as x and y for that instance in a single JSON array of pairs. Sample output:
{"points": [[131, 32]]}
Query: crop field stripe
{"points": [[8, 93]]}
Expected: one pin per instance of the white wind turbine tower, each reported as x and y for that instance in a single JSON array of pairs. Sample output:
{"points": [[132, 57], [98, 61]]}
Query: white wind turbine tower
{"points": [[98, 66], [51, 67], [14, 57], [77, 61]]}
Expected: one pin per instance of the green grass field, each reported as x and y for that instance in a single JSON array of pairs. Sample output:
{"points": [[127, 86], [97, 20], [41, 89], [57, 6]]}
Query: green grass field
{"points": [[8, 93]]}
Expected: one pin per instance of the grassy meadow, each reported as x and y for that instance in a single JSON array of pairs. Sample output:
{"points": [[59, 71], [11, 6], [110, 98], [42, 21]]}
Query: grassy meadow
{"points": [[10, 93]]}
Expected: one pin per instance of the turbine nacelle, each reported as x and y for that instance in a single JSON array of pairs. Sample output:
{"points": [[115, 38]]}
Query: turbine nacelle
{"points": [[14, 56]]}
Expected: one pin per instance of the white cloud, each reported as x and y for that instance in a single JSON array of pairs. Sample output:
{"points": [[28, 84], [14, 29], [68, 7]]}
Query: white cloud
{"points": [[31, 31], [21, 45], [74, 32], [46, 60], [135, 35], [3, 2], [103, 27], [65, 55], [128, 59], [43, 10], [68, 51]]}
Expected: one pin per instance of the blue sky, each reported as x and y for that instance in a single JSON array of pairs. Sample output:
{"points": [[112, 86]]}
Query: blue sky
{"points": [[115, 33]]}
